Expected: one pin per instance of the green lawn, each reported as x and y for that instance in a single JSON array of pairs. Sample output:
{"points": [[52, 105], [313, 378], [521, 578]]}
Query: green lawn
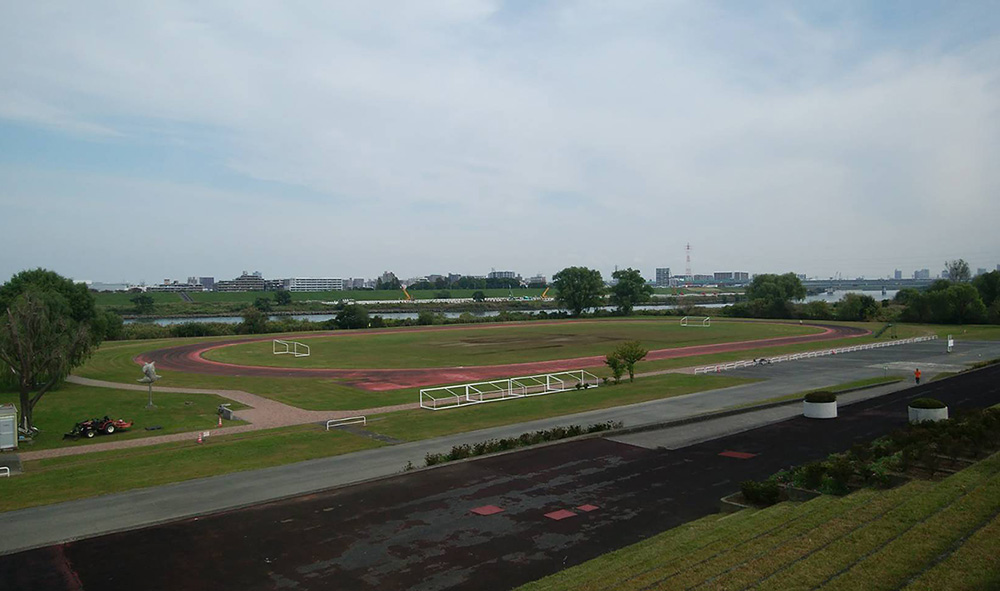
{"points": [[62, 479], [922, 535], [59, 410], [499, 344]]}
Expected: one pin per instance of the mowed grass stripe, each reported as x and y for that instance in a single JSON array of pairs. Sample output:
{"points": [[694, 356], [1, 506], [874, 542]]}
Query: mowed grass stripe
{"points": [[905, 555], [929, 499], [972, 566], [773, 560]]}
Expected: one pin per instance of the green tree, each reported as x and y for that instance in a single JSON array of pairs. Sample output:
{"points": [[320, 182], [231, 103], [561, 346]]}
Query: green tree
{"points": [[353, 316], [958, 271], [616, 366], [629, 353], [75, 299], [263, 304], [988, 285], [144, 303], [857, 307], [282, 297], [39, 344], [426, 318], [578, 288], [254, 321], [631, 289], [478, 296], [770, 296]]}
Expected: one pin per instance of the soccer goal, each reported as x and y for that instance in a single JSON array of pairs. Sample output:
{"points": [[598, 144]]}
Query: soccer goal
{"points": [[293, 348], [696, 321]]}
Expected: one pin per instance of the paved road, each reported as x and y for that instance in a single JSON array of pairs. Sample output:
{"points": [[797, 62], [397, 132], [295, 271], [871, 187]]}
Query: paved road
{"points": [[417, 531], [45, 525], [188, 358]]}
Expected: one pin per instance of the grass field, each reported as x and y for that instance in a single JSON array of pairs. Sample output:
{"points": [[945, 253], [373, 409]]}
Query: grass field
{"points": [[496, 345], [922, 535], [59, 410]]}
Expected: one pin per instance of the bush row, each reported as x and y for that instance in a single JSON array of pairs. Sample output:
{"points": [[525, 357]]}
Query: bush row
{"points": [[490, 446]]}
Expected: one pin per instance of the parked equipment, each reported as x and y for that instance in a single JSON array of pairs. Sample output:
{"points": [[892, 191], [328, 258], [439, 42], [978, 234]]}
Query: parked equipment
{"points": [[92, 427]]}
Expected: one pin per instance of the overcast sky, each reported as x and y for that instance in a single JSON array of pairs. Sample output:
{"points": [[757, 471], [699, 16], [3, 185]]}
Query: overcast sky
{"points": [[147, 140]]}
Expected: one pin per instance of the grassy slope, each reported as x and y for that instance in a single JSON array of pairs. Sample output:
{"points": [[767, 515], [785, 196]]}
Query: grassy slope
{"points": [[867, 540], [59, 410], [500, 344]]}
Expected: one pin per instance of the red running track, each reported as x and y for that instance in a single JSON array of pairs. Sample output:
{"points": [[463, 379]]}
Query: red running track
{"points": [[188, 358]]}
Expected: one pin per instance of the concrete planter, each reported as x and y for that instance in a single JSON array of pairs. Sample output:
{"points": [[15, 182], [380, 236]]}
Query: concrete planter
{"points": [[733, 503], [919, 415], [819, 410]]}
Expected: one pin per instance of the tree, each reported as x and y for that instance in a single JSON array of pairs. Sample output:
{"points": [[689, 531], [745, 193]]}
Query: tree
{"points": [[770, 295], [282, 298], [144, 303], [578, 288], [988, 285], [39, 346], [426, 317], [857, 307], [75, 299], [616, 366], [478, 296], [629, 353], [254, 320], [263, 304], [958, 271], [353, 316], [631, 289]]}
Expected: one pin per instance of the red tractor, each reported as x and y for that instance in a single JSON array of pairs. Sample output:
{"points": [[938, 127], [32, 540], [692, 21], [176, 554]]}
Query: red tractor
{"points": [[92, 427]]}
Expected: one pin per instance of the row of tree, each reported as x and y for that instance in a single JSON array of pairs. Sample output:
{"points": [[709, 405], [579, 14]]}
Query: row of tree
{"points": [[580, 288]]}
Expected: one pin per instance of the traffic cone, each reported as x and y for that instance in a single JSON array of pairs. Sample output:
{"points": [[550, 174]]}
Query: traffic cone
{"points": [[199, 436], [220, 420]]}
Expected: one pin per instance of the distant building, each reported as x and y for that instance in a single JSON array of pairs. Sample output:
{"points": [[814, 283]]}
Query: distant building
{"points": [[502, 275], [170, 285], [207, 282], [980, 271], [945, 274], [245, 282], [922, 274], [897, 275], [313, 284], [663, 277], [453, 277], [732, 276], [801, 276], [536, 280]]}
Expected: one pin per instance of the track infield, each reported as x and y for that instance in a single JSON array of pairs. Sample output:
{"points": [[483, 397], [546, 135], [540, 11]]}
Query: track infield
{"points": [[193, 358]]}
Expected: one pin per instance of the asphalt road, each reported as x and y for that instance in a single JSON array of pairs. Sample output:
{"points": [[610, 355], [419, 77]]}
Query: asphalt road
{"points": [[417, 530]]}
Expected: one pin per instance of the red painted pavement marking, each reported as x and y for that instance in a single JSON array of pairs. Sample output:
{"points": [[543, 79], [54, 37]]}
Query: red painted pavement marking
{"points": [[737, 454], [588, 508], [560, 514], [487, 510]]}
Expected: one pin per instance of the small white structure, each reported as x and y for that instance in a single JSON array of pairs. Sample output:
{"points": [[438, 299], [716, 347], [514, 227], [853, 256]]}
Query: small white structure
{"points": [[8, 426], [696, 321], [293, 348], [506, 389], [951, 344], [919, 415], [819, 410]]}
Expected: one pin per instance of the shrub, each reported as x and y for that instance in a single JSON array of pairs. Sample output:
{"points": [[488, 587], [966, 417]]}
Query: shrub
{"points": [[927, 403], [821, 397], [811, 475], [760, 493]]}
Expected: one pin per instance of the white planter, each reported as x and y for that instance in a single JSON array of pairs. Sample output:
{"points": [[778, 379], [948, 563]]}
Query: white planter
{"points": [[819, 410], [919, 415]]}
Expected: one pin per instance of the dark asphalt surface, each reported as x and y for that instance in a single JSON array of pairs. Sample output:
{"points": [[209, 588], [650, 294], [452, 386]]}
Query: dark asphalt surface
{"points": [[189, 359], [415, 531]]}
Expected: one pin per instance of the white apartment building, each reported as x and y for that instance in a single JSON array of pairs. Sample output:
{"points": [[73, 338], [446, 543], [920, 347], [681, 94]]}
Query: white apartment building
{"points": [[314, 284]]}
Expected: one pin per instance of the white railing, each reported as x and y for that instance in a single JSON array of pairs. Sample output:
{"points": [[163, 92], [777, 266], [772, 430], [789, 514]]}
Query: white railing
{"points": [[293, 348], [346, 421], [699, 321], [810, 354], [5, 471], [458, 395]]}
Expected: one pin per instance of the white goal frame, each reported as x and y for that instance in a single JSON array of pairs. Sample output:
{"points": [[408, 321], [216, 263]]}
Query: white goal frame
{"points": [[697, 321], [293, 348]]}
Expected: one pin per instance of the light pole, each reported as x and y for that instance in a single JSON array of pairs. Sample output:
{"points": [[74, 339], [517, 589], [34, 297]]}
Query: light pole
{"points": [[149, 376]]}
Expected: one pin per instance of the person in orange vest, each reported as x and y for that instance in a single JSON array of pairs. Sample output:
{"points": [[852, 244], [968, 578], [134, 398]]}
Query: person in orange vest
{"points": [[916, 375]]}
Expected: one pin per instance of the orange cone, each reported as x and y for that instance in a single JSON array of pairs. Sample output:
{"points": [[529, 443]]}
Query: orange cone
{"points": [[199, 436], [220, 420]]}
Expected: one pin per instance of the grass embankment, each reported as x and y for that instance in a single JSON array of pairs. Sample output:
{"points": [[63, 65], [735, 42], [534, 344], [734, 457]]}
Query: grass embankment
{"points": [[60, 409], [922, 535], [59, 479], [501, 344], [75, 477]]}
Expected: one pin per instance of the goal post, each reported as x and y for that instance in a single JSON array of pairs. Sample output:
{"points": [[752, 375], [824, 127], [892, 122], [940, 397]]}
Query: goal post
{"points": [[293, 348], [704, 321]]}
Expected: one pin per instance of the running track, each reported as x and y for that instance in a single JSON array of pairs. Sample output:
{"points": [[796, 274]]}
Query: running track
{"points": [[188, 358]]}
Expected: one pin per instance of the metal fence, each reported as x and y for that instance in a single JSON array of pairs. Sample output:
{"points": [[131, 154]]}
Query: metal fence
{"points": [[498, 390], [346, 421]]}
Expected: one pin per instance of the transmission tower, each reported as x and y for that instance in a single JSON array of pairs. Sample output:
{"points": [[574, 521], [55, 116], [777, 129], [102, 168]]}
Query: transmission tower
{"points": [[687, 268]]}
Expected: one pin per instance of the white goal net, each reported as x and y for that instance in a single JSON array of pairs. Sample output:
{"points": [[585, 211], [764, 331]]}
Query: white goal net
{"points": [[293, 348]]}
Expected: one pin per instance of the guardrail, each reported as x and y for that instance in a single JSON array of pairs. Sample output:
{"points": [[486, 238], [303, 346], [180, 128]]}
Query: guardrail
{"points": [[346, 421], [810, 354], [458, 395], [5, 471]]}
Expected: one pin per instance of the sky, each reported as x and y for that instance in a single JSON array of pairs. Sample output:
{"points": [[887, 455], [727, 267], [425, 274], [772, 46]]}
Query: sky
{"points": [[143, 141]]}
